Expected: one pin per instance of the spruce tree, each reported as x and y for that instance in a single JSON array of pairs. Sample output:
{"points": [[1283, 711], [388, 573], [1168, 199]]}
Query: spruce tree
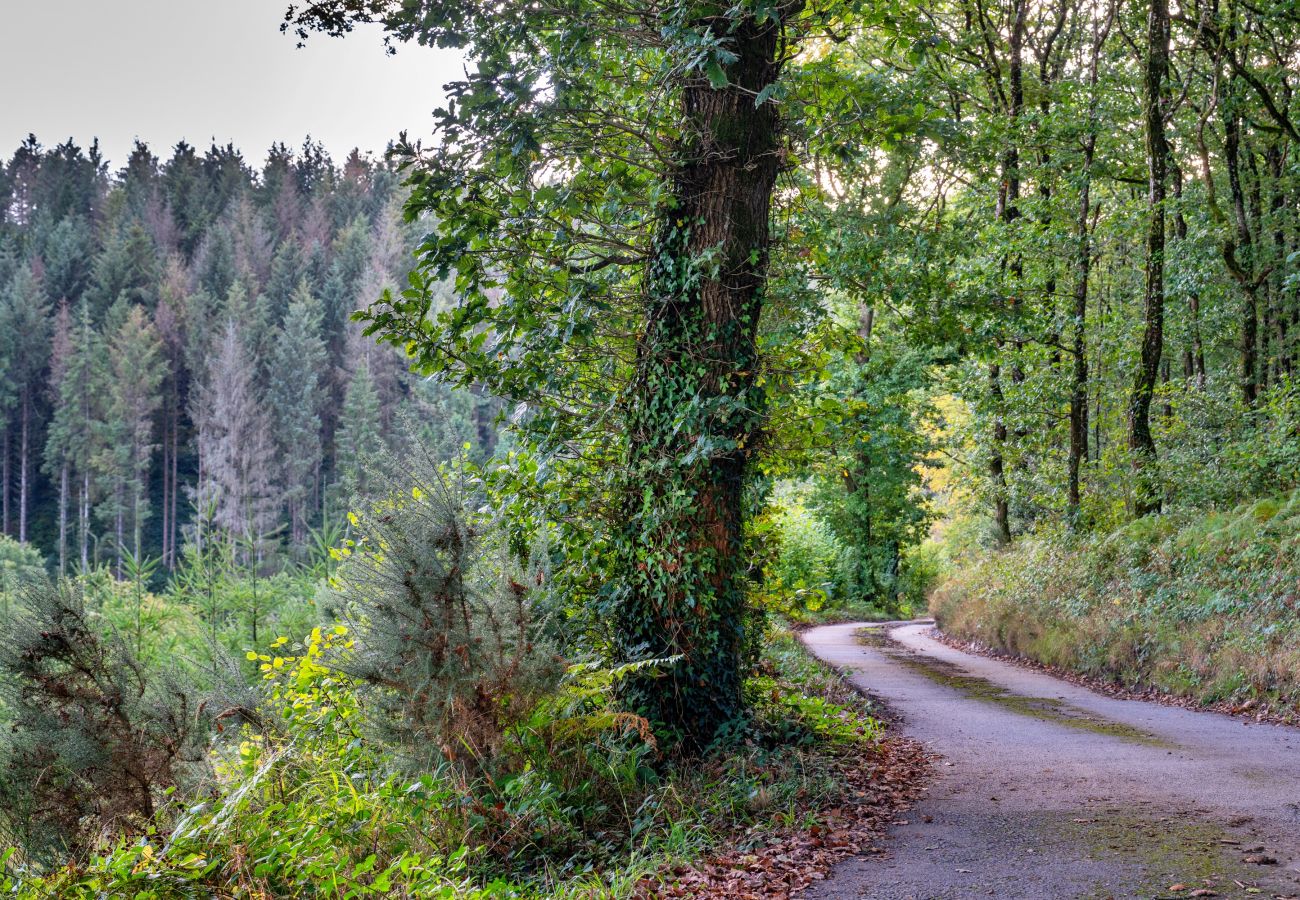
{"points": [[26, 318], [127, 269], [128, 437], [360, 439], [78, 386], [236, 476], [298, 358]]}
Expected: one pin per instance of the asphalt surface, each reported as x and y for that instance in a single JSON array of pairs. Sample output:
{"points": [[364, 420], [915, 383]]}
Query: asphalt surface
{"points": [[1044, 789]]}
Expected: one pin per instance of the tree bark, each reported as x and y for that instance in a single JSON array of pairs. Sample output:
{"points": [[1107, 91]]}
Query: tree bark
{"points": [[1078, 453], [1238, 254], [24, 462], [1140, 442], [63, 519], [694, 406]]}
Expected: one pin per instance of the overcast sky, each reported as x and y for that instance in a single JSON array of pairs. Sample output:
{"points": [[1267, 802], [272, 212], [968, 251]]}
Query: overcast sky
{"points": [[167, 70]]}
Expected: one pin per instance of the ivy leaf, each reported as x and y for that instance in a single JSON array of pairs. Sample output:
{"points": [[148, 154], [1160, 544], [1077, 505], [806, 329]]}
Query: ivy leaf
{"points": [[717, 77]]}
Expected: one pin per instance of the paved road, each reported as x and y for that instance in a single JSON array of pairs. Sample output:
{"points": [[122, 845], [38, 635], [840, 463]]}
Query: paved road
{"points": [[1049, 790]]}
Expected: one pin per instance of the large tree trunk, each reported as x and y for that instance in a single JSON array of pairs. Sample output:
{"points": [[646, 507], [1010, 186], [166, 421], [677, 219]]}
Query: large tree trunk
{"points": [[694, 408], [1140, 442]]}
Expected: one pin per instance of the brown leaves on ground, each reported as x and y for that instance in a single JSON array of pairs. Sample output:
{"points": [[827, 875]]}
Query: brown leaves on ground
{"points": [[879, 783]]}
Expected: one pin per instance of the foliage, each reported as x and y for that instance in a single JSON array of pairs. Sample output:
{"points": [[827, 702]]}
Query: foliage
{"points": [[448, 635], [94, 740], [1196, 604], [308, 806]]}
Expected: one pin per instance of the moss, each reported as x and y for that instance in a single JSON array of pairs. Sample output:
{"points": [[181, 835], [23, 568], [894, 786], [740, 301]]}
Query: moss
{"points": [[1164, 851], [1047, 709]]}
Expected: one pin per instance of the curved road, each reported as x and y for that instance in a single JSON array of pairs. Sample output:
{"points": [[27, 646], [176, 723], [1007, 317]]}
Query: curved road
{"points": [[1048, 790]]}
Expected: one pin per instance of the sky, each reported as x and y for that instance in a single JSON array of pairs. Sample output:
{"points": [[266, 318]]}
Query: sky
{"points": [[198, 70]]}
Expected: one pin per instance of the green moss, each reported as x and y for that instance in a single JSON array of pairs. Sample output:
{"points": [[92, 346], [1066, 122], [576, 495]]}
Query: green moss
{"points": [[1047, 709], [1164, 851]]}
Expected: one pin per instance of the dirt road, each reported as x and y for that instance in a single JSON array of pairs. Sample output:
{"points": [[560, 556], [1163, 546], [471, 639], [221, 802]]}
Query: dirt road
{"points": [[1049, 790]]}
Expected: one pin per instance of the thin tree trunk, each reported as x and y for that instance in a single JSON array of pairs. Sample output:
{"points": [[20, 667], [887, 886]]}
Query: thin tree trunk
{"points": [[24, 484], [84, 515], [175, 525], [1083, 268], [1238, 254], [166, 490], [1194, 356], [1147, 499], [4, 481], [1007, 212], [63, 518]]}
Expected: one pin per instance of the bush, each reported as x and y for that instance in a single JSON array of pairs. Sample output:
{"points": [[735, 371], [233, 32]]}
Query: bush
{"points": [[447, 641], [93, 740]]}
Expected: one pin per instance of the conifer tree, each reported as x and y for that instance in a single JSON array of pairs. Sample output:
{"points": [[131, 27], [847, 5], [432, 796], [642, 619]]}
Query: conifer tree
{"points": [[236, 479], [127, 269], [77, 384], [93, 737], [360, 438], [129, 428], [297, 361], [26, 318], [57, 462]]}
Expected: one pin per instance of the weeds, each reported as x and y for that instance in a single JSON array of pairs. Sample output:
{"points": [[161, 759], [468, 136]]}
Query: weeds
{"points": [[1198, 605]]}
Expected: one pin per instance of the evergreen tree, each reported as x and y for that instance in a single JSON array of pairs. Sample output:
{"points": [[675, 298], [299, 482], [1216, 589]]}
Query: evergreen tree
{"points": [[128, 430], [67, 251], [297, 362], [77, 383], [126, 269], [360, 439], [236, 476], [57, 460], [26, 318]]}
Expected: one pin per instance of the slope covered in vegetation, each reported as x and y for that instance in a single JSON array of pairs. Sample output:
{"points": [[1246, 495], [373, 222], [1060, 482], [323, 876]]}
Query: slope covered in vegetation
{"points": [[1198, 605]]}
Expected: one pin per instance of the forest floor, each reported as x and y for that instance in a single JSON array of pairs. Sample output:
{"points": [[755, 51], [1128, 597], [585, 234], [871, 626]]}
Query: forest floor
{"points": [[1046, 789]]}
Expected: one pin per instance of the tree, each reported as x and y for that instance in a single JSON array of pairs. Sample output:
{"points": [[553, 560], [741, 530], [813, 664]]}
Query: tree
{"points": [[613, 258], [93, 739], [359, 440], [298, 360], [1153, 297], [236, 477], [126, 269], [78, 384], [26, 318], [129, 428]]}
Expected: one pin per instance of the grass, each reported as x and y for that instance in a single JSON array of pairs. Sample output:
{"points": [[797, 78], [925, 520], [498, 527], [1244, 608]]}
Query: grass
{"points": [[1200, 606]]}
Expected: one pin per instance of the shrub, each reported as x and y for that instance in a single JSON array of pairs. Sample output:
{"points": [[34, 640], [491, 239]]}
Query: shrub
{"points": [[1194, 603], [447, 640], [93, 740]]}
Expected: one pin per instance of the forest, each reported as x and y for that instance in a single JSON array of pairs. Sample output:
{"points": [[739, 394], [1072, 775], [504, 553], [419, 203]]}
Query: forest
{"points": [[471, 519]]}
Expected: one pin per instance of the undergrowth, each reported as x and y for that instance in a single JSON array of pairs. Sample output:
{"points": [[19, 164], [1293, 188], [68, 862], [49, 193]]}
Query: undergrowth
{"points": [[582, 804], [1198, 605]]}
